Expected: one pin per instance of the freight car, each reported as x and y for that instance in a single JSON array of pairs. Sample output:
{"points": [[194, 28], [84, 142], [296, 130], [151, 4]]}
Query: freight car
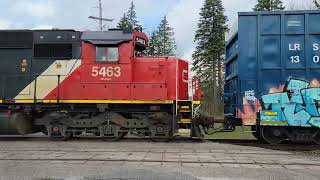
{"points": [[273, 74], [65, 82]]}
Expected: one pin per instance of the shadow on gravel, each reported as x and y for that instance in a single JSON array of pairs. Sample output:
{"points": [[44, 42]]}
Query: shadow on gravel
{"points": [[43, 138], [286, 146]]}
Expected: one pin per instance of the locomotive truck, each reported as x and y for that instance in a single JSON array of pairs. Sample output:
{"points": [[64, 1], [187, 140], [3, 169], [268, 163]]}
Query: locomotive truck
{"points": [[65, 82]]}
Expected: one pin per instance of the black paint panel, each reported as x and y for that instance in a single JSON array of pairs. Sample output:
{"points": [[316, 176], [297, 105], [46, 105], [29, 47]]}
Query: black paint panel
{"points": [[13, 78], [16, 39], [63, 51]]}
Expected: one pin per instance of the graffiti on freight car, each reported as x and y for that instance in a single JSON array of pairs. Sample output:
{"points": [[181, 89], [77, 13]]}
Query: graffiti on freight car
{"points": [[249, 112], [249, 95], [297, 105]]}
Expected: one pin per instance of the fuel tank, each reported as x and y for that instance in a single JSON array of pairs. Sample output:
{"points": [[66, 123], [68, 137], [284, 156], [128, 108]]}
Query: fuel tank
{"points": [[16, 124]]}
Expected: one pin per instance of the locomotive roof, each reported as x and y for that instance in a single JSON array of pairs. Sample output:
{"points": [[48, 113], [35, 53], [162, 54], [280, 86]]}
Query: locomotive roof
{"points": [[111, 37], [106, 37]]}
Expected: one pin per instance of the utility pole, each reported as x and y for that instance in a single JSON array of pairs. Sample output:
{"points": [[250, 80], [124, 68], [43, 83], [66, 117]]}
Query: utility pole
{"points": [[100, 18], [100, 15]]}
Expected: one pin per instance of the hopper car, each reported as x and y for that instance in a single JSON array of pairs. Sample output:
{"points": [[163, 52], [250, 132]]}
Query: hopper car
{"points": [[273, 73]]}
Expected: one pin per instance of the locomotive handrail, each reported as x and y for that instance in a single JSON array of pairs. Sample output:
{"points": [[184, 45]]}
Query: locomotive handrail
{"points": [[58, 94], [58, 86]]}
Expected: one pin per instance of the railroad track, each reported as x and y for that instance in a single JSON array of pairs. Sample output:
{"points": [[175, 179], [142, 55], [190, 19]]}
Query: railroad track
{"points": [[284, 146], [160, 161], [288, 146], [132, 151], [214, 155]]}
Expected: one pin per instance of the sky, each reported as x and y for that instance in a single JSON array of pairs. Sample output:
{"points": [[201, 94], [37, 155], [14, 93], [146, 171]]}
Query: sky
{"points": [[183, 15]]}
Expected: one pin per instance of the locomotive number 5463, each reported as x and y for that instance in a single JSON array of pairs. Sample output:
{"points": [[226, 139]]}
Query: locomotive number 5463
{"points": [[106, 71]]}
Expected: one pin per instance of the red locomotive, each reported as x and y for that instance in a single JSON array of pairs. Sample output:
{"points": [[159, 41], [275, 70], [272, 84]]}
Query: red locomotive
{"points": [[65, 82]]}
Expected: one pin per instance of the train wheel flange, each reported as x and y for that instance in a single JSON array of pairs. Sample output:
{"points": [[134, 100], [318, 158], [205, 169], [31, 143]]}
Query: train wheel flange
{"points": [[160, 133], [113, 138], [59, 137], [58, 133], [272, 135], [112, 133], [160, 138]]}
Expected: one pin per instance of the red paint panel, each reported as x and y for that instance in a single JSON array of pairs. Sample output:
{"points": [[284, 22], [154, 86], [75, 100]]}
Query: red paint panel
{"points": [[125, 52], [106, 91], [171, 78], [88, 53], [183, 77], [69, 88], [150, 70], [149, 92]]}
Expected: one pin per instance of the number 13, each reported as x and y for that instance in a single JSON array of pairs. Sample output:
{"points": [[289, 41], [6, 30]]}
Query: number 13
{"points": [[295, 59]]}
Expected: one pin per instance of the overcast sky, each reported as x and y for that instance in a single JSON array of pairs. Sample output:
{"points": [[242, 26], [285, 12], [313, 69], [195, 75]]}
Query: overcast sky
{"points": [[73, 14]]}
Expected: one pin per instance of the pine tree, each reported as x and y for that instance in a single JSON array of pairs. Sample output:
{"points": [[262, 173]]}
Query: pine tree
{"points": [[317, 4], [129, 20], [166, 41], [124, 23], [153, 49], [132, 17], [269, 5], [208, 57]]}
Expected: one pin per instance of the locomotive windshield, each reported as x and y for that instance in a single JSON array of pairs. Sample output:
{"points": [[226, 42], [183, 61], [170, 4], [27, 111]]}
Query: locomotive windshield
{"points": [[107, 54]]}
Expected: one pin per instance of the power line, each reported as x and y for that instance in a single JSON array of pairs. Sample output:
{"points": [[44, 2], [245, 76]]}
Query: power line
{"points": [[100, 18]]}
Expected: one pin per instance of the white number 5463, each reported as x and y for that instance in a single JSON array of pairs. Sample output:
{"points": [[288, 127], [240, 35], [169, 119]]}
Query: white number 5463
{"points": [[106, 71]]}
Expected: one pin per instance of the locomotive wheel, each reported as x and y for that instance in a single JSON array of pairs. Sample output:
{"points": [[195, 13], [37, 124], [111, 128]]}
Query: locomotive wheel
{"points": [[272, 135], [160, 138], [113, 138], [257, 134], [160, 133], [56, 134], [59, 137]]}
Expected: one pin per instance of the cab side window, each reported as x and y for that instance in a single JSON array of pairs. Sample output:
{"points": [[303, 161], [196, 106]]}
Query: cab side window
{"points": [[113, 55], [101, 54], [107, 55]]}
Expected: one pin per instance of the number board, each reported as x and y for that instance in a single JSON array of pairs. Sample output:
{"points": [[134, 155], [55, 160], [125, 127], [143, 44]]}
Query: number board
{"points": [[106, 73]]}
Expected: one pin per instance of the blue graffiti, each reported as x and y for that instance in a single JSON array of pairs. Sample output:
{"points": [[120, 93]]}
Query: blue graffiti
{"points": [[297, 105]]}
